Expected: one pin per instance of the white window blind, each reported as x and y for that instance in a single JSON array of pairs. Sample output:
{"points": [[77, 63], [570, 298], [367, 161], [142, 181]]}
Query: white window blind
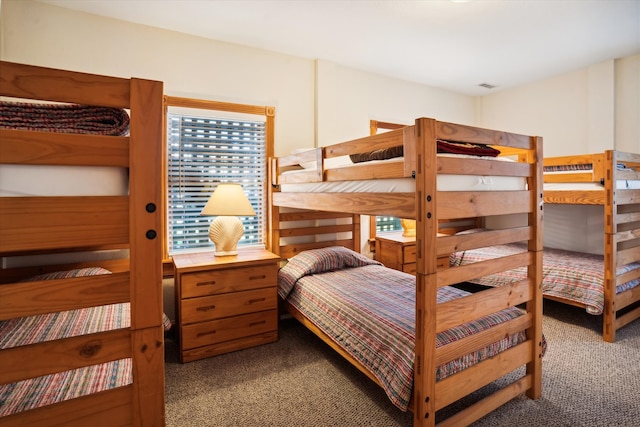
{"points": [[203, 152]]}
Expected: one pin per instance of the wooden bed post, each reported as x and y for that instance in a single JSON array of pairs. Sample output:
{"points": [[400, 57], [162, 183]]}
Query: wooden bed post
{"points": [[146, 253], [536, 184], [610, 248], [426, 273]]}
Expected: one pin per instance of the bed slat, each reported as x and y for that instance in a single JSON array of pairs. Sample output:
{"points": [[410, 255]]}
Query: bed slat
{"points": [[47, 148], [463, 204], [463, 383], [466, 273], [103, 409], [42, 223], [479, 340], [49, 357], [52, 296], [458, 311], [40, 83]]}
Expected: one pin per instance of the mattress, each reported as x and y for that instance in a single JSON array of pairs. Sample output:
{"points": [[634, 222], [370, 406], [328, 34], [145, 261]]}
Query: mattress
{"points": [[621, 184], [445, 182], [41, 180]]}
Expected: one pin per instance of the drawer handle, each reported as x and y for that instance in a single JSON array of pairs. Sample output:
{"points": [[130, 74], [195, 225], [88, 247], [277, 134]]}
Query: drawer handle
{"points": [[262, 322], [202, 334], [209, 283], [206, 308], [251, 301], [262, 276]]}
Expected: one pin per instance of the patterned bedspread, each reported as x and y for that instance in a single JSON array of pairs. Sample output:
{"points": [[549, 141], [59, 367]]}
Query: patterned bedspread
{"points": [[369, 310], [573, 276]]}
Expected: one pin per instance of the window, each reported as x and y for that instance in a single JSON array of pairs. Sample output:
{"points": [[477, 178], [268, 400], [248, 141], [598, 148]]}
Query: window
{"points": [[387, 223], [210, 143]]}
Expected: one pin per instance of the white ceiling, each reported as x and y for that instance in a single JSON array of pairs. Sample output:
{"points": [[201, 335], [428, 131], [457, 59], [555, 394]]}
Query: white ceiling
{"points": [[455, 45]]}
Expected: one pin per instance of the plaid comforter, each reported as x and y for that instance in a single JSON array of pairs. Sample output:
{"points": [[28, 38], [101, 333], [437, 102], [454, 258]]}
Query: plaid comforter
{"points": [[369, 310], [573, 276]]}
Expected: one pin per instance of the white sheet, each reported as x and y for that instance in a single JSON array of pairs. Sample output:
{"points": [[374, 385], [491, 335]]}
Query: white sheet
{"points": [[445, 182], [621, 184], [31, 180]]}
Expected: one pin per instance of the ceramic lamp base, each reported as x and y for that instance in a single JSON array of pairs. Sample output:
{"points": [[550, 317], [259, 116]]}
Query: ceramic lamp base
{"points": [[225, 232]]}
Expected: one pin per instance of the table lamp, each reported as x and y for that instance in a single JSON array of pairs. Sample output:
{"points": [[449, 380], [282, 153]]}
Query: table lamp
{"points": [[227, 202]]}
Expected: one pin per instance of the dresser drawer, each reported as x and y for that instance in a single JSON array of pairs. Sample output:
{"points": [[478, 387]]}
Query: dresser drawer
{"points": [[227, 329], [409, 268], [226, 305], [228, 280], [409, 253]]}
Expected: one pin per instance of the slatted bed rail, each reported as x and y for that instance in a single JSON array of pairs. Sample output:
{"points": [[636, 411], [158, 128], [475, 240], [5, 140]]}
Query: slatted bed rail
{"points": [[49, 227]]}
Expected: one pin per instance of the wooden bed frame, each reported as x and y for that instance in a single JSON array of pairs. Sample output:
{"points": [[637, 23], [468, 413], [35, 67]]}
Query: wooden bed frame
{"points": [[621, 209], [130, 224], [427, 205]]}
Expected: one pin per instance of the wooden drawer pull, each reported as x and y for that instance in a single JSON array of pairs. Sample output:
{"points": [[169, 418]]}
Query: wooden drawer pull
{"points": [[251, 301], [262, 276], [202, 334], [262, 322], [209, 283], [206, 308]]}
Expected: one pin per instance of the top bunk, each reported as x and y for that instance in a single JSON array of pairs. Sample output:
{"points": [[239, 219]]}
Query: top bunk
{"points": [[380, 174], [583, 179]]}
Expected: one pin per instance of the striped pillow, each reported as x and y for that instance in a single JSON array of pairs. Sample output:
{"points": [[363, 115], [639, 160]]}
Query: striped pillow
{"points": [[318, 261]]}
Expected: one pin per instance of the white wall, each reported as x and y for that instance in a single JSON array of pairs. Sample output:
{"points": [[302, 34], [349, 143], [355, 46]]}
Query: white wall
{"points": [[347, 99], [627, 104], [40, 34], [585, 111]]}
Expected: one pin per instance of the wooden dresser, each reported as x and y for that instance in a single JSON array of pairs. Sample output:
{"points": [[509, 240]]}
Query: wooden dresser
{"points": [[225, 303], [399, 252]]}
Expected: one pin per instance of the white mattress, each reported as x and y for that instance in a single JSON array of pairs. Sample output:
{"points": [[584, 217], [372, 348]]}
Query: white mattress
{"points": [[445, 182], [30, 180], [621, 184]]}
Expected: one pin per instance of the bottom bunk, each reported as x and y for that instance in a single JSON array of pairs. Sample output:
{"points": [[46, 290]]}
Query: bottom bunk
{"points": [[81, 328], [367, 313], [570, 277], [368, 310]]}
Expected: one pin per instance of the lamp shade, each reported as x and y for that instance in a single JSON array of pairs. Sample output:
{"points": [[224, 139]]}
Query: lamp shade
{"points": [[228, 200]]}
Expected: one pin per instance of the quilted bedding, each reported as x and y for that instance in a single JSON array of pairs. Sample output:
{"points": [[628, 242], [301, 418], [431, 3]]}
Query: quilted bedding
{"points": [[369, 310], [68, 118], [573, 276]]}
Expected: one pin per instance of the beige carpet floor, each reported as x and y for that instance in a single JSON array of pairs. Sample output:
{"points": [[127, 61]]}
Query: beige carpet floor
{"points": [[299, 381]]}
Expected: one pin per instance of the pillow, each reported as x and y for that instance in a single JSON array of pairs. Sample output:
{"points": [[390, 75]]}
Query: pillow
{"points": [[318, 261], [78, 272]]}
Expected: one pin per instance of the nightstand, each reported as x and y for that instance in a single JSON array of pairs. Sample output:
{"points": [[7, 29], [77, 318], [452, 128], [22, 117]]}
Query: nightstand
{"points": [[225, 303], [399, 252]]}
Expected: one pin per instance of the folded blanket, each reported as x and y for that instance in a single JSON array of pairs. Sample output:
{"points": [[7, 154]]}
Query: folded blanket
{"points": [[67, 118], [442, 147]]}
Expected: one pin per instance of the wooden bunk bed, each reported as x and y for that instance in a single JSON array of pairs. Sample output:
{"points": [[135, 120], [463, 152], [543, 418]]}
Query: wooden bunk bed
{"points": [[606, 281], [613, 182], [427, 202], [82, 258]]}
